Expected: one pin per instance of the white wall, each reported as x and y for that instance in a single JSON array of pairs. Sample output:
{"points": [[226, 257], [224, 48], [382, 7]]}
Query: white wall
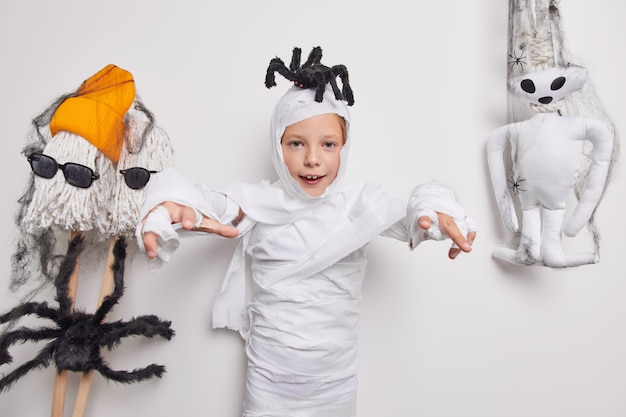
{"points": [[472, 337]]}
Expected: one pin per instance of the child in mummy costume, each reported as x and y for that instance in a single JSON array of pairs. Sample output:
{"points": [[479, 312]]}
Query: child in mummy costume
{"points": [[304, 237]]}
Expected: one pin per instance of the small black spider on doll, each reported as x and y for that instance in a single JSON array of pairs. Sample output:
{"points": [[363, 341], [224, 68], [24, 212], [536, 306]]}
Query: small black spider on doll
{"points": [[311, 74], [515, 184], [517, 60], [76, 340]]}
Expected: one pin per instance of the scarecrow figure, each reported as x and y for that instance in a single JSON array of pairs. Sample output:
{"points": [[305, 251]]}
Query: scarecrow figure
{"points": [[76, 151]]}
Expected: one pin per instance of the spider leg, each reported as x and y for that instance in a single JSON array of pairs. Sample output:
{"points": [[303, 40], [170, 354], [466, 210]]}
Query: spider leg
{"points": [[127, 377], [148, 326], [319, 92], [119, 256], [39, 309], [68, 264], [314, 57], [333, 84], [23, 334], [342, 72], [295, 59], [277, 65], [284, 71], [270, 79], [42, 360], [321, 86]]}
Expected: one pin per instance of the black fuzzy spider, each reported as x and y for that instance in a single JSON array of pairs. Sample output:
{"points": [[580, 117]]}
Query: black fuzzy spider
{"points": [[312, 74], [78, 336]]}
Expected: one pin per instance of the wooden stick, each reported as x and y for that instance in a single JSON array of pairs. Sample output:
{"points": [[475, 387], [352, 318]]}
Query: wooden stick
{"points": [[105, 289], [60, 379], [83, 394], [58, 394]]}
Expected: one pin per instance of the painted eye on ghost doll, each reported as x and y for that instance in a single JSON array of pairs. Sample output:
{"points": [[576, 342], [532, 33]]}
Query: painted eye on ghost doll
{"points": [[528, 86], [557, 84]]}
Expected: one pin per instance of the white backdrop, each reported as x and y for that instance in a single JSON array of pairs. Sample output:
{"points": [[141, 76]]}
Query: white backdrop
{"points": [[439, 338]]}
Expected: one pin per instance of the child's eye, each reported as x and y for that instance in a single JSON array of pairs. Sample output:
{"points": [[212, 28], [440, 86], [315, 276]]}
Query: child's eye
{"points": [[329, 145], [295, 143]]}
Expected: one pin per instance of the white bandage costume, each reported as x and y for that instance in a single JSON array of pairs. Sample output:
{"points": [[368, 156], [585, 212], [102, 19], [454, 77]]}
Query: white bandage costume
{"points": [[306, 260]]}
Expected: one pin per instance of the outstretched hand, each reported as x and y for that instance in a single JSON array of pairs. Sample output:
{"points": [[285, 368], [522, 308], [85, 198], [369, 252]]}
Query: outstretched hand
{"points": [[186, 216], [448, 226]]}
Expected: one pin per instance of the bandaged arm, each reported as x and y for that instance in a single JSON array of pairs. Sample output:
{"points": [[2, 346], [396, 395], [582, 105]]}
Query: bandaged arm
{"points": [[428, 199], [169, 185]]}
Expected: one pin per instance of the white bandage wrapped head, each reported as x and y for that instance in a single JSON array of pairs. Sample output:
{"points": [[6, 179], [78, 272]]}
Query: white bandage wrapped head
{"points": [[295, 105]]}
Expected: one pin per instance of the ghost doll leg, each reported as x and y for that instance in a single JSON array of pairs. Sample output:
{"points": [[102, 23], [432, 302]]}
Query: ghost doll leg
{"points": [[552, 253], [528, 250]]}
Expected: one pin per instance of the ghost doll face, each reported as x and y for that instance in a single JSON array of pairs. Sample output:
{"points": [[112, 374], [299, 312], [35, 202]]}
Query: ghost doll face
{"points": [[550, 85], [311, 151]]}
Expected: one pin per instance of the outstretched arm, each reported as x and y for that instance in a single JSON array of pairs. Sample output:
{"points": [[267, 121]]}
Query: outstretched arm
{"points": [[433, 213], [187, 217], [174, 203]]}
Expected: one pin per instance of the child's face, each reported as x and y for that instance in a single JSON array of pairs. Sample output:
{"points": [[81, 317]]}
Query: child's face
{"points": [[311, 151]]}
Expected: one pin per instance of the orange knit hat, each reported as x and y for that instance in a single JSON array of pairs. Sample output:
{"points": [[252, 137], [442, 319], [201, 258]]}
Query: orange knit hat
{"points": [[97, 111]]}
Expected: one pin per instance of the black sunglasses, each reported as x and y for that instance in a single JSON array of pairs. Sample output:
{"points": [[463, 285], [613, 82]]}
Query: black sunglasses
{"points": [[136, 177], [75, 174]]}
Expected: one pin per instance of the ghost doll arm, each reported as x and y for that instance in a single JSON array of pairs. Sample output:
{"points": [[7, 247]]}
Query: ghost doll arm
{"points": [[601, 135], [496, 145]]}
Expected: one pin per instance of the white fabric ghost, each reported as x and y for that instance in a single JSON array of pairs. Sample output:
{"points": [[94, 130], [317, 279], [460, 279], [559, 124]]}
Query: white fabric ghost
{"points": [[546, 152], [305, 259]]}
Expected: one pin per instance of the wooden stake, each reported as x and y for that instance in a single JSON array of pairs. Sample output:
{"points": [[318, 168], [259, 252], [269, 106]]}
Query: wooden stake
{"points": [[60, 379], [105, 289]]}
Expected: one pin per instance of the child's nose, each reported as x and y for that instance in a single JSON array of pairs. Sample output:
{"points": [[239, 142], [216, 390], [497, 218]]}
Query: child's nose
{"points": [[311, 158]]}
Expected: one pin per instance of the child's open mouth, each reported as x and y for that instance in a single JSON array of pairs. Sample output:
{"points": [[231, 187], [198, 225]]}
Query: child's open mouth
{"points": [[312, 179]]}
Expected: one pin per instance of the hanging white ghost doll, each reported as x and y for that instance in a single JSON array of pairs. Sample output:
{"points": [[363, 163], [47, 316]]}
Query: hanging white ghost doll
{"points": [[536, 163]]}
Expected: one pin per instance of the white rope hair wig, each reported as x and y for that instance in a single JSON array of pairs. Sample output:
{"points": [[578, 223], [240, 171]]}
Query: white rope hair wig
{"points": [[51, 208], [146, 146], [56, 203]]}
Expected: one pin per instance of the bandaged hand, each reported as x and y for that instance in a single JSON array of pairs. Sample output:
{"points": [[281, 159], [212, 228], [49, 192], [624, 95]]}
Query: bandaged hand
{"points": [[173, 203], [157, 234], [434, 213]]}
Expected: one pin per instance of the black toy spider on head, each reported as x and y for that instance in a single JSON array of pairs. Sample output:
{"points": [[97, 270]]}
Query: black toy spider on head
{"points": [[312, 74], [78, 336]]}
